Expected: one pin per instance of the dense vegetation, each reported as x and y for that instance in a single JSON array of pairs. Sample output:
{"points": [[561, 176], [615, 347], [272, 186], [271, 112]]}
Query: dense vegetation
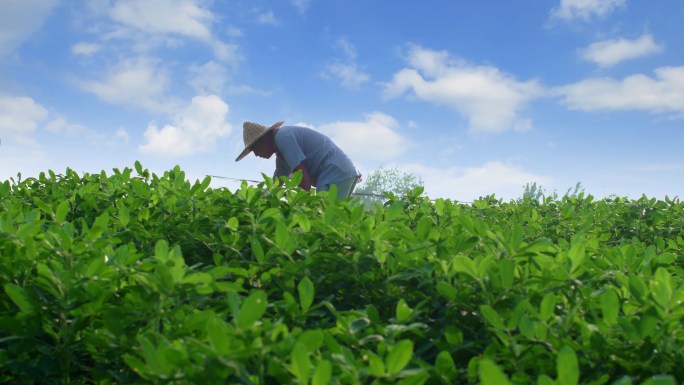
{"points": [[135, 278]]}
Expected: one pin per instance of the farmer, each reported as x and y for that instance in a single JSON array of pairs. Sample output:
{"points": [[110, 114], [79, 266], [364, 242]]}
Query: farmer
{"points": [[322, 163]]}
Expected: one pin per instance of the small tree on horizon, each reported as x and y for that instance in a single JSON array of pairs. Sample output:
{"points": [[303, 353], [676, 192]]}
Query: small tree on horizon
{"points": [[535, 192], [387, 180]]}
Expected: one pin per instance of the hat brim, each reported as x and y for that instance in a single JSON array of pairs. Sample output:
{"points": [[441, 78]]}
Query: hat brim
{"points": [[248, 148]]}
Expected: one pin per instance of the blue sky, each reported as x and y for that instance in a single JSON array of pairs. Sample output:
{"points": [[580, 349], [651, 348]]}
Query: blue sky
{"points": [[474, 97]]}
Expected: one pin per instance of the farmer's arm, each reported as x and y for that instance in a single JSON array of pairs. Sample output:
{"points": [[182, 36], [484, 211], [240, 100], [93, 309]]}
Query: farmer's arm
{"points": [[306, 181]]}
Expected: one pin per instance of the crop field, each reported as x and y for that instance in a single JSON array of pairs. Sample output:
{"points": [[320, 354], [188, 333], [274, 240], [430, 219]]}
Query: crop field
{"points": [[136, 278]]}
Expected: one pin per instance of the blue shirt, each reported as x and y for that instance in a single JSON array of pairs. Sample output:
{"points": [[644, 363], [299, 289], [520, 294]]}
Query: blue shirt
{"points": [[324, 161]]}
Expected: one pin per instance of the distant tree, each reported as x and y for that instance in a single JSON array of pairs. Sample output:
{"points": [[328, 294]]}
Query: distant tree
{"points": [[576, 192], [375, 186], [532, 192], [535, 192]]}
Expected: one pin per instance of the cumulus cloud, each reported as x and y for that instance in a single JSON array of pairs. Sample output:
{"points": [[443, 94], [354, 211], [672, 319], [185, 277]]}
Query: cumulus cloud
{"points": [[180, 17], [489, 98], [209, 78], [194, 129], [267, 18], [504, 180], [121, 134], [301, 5], [85, 49], [138, 82], [607, 53], [20, 115], [19, 19], [585, 9], [663, 93], [374, 139], [346, 70], [61, 125], [150, 23]]}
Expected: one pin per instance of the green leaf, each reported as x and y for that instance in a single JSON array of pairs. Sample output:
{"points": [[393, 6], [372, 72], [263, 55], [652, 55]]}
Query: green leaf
{"points": [[99, 226], [43, 206], [445, 365], [660, 379], [233, 223], [415, 379], [375, 365], [399, 356], [610, 306], [623, 381], [282, 235], [124, 214], [301, 363], [61, 212], [548, 304], [492, 317], [138, 168], [463, 264], [306, 293], [507, 272], [577, 253], [567, 367], [322, 374], [403, 311], [218, 337], [136, 364], [161, 250], [4, 189], [637, 287], [257, 250], [446, 290], [29, 230], [311, 339], [661, 287], [545, 380], [423, 228], [491, 374], [252, 309], [19, 296], [453, 335]]}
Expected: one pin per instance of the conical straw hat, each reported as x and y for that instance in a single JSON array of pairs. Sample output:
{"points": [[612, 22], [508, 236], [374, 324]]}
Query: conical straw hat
{"points": [[251, 132]]}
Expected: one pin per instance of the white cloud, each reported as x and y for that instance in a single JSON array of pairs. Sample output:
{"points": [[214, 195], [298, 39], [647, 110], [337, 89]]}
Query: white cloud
{"points": [[194, 129], [607, 53], [20, 115], [663, 93], [346, 70], [585, 9], [489, 98], [226, 52], [301, 5], [85, 49], [504, 180], [209, 78], [349, 75], [374, 139], [61, 125], [233, 31], [19, 19], [135, 82], [267, 18], [179, 17], [121, 134]]}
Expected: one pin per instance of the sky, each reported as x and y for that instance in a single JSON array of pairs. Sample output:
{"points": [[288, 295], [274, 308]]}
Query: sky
{"points": [[473, 97]]}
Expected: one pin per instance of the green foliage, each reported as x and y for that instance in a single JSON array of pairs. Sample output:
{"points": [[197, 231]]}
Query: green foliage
{"points": [[385, 181], [135, 278], [534, 192]]}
